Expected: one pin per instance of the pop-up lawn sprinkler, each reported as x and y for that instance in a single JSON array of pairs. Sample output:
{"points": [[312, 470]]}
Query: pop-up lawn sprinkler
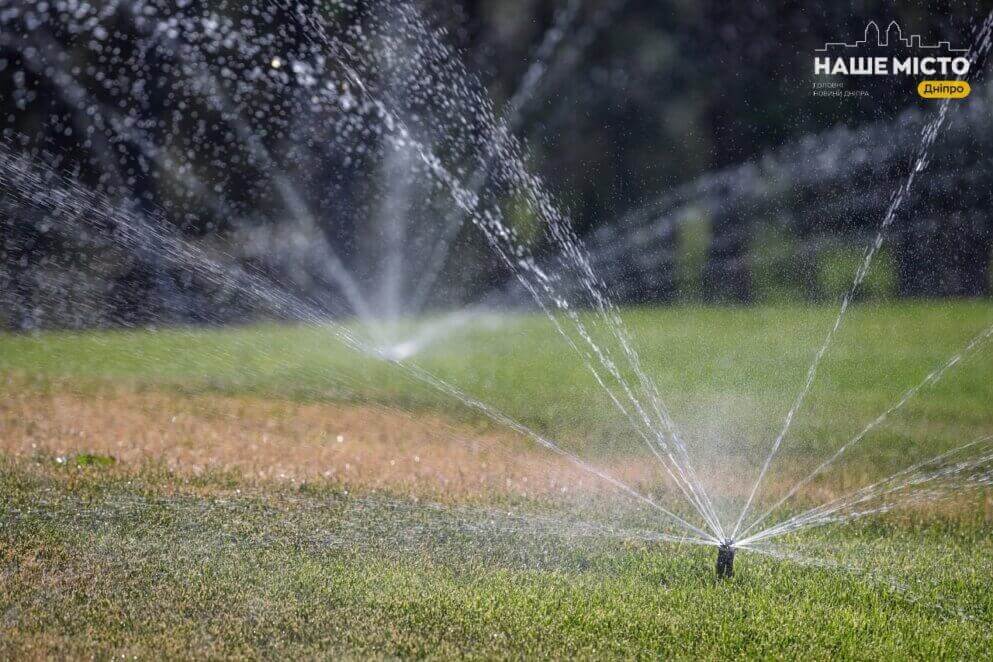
{"points": [[725, 560]]}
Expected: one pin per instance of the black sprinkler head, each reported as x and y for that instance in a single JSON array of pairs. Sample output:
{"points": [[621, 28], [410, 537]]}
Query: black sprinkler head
{"points": [[725, 560]]}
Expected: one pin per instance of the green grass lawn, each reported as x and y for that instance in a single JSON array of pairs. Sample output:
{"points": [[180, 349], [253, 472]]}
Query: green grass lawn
{"points": [[728, 375], [96, 563], [134, 560], [702, 358]]}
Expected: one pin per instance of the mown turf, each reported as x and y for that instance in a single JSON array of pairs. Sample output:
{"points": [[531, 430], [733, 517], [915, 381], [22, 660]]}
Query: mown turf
{"points": [[99, 562], [105, 558], [728, 375]]}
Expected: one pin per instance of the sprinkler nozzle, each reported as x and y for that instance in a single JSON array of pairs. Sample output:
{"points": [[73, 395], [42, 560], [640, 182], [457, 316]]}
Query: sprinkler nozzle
{"points": [[725, 560]]}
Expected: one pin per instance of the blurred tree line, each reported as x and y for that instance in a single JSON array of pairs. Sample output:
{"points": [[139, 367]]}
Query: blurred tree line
{"points": [[636, 99], [674, 90]]}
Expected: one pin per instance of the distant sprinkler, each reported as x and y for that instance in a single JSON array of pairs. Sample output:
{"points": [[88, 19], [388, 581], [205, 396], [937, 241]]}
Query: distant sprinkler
{"points": [[725, 560]]}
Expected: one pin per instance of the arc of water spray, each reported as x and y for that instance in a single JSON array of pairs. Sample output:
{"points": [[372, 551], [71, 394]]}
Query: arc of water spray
{"points": [[395, 232], [470, 203], [980, 46], [571, 248], [497, 233], [535, 78], [513, 113], [289, 194], [295, 204], [611, 317], [912, 476], [217, 97], [932, 377]]}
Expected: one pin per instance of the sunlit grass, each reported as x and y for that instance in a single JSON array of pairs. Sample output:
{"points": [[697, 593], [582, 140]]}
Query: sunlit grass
{"points": [[160, 553], [96, 561]]}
